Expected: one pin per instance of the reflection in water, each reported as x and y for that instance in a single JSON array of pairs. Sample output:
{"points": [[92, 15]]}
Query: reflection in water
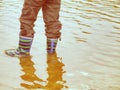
{"points": [[29, 74], [55, 73], [54, 69]]}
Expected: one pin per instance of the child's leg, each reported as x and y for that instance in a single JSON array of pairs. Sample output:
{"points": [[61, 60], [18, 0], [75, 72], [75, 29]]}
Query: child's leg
{"points": [[27, 19], [51, 11], [29, 16]]}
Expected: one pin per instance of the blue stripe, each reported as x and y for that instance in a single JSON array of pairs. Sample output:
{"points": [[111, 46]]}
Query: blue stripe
{"points": [[52, 46]]}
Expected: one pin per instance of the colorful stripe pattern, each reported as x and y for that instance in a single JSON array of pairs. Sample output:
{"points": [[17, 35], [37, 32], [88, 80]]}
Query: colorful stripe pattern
{"points": [[51, 45], [25, 44]]}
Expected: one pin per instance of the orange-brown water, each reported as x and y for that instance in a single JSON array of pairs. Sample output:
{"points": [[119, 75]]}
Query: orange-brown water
{"points": [[87, 58]]}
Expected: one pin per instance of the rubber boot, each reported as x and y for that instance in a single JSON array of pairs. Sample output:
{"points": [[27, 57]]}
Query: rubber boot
{"points": [[23, 48], [51, 45]]}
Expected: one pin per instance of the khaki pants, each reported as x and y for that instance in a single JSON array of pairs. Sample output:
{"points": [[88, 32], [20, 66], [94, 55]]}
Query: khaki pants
{"points": [[50, 10]]}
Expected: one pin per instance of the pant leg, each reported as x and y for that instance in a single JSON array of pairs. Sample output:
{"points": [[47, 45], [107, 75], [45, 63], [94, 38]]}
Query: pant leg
{"points": [[28, 16], [51, 9]]}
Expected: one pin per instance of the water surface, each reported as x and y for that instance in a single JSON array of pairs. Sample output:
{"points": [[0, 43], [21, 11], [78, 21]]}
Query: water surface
{"points": [[87, 58]]}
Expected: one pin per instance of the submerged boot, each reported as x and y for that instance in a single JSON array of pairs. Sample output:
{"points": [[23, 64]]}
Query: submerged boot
{"points": [[51, 45], [23, 49]]}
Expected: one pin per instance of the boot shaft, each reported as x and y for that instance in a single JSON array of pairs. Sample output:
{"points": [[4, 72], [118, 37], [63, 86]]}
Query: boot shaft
{"points": [[24, 44], [51, 45]]}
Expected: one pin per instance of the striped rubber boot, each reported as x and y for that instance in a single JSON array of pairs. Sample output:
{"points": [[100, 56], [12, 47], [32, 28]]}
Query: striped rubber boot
{"points": [[51, 45], [23, 49]]}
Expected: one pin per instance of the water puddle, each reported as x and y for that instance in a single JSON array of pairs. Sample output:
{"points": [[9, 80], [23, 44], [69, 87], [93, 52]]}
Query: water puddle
{"points": [[89, 51]]}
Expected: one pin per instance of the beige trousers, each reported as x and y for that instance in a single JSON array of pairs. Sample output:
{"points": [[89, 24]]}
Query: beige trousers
{"points": [[50, 10]]}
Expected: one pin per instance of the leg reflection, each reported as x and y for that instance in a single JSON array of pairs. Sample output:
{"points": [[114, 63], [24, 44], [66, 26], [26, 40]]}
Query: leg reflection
{"points": [[55, 73], [32, 81]]}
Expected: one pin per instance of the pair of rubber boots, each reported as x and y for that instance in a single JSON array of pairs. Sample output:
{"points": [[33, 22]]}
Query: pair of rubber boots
{"points": [[25, 46]]}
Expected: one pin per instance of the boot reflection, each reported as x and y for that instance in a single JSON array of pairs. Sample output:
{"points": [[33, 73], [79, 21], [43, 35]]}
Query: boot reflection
{"points": [[54, 70], [31, 80], [55, 73]]}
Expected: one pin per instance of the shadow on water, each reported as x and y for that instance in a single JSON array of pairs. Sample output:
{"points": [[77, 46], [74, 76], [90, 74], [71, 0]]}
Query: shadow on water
{"points": [[55, 74]]}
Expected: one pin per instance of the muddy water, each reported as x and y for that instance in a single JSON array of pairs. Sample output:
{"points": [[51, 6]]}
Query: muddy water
{"points": [[87, 58]]}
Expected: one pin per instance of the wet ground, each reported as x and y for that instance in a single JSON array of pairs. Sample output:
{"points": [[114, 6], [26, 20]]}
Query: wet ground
{"points": [[87, 58]]}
